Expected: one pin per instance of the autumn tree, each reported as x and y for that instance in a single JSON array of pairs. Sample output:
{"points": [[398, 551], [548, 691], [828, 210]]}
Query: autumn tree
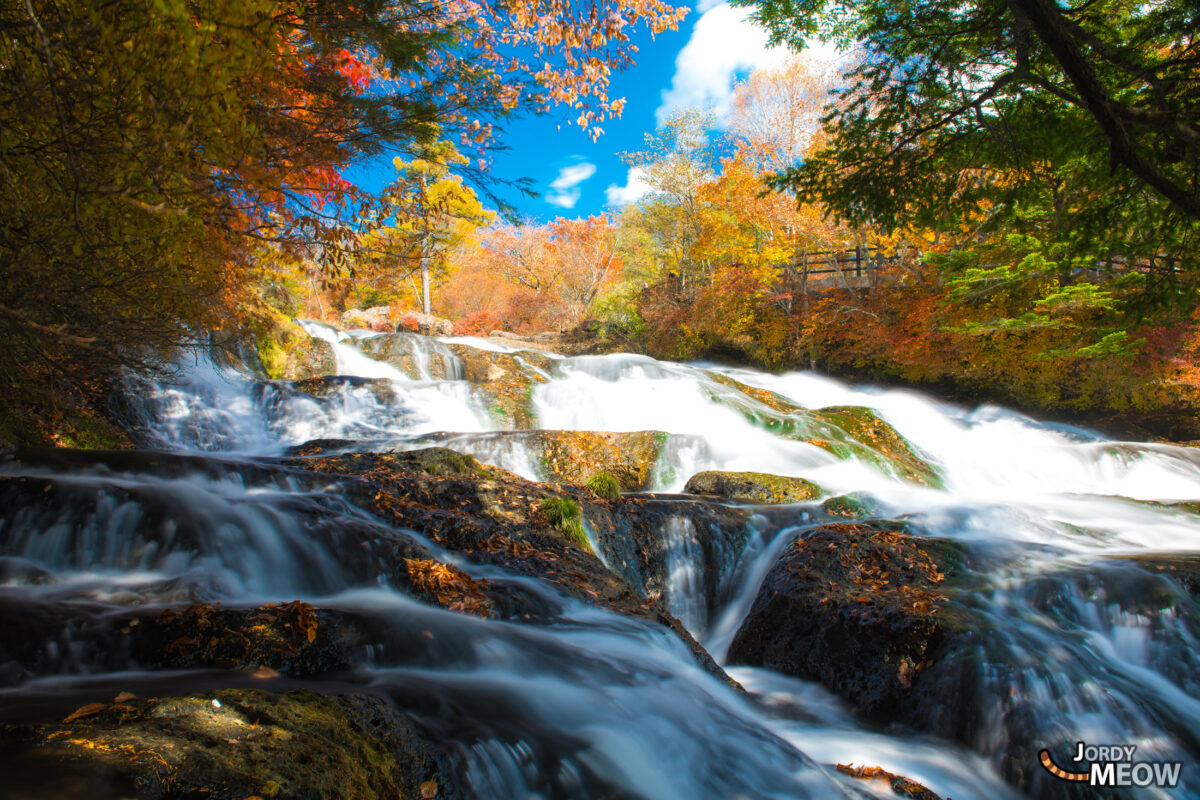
{"points": [[148, 151], [433, 210], [680, 158], [777, 112]]}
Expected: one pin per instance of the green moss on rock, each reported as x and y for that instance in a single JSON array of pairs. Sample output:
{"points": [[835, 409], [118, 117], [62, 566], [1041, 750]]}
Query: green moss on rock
{"points": [[752, 487], [228, 744]]}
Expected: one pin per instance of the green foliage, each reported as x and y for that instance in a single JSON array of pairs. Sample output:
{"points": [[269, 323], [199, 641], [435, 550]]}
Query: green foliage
{"points": [[565, 515], [1071, 123], [604, 486]]}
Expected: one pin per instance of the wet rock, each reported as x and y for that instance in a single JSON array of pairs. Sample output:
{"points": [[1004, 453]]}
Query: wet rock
{"points": [[507, 379], [314, 447], [418, 357], [494, 517], [900, 785], [574, 457], [752, 487], [226, 745], [308, 358], [331, 385], [291, 638], [844, 431], [856, 505], [868, 429], [859, 609]]}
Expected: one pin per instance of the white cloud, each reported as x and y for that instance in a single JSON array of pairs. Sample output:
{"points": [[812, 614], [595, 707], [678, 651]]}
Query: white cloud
{"points": [[564, 190], [634, 189], [723, 44]]}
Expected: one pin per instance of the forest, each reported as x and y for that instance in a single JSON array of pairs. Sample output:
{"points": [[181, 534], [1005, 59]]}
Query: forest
{"points": [[1022, 184]]}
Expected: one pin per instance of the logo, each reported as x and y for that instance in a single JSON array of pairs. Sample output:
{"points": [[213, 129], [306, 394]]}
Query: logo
{"points": [[1113, 765]]}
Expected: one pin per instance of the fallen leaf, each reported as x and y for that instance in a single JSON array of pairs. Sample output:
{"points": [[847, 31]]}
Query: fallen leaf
{"points": [[91, 709], [124, 697], [429, 789]]}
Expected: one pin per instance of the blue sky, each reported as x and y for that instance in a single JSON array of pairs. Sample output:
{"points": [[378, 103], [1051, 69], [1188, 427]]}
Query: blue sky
{"points": [[694, 66]]}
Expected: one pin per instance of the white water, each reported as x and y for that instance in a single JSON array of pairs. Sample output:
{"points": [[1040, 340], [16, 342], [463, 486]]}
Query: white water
{"points": [[1043, 506]]}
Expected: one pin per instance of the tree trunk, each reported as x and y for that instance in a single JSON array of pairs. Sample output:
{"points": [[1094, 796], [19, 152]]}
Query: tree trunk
{"points": [[426, 306]]}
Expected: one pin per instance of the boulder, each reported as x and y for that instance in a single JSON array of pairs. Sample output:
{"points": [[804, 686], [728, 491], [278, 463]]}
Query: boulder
{"points": [[229, 743], [308, 358], [507, 379], [752, 487], [859, 609]]}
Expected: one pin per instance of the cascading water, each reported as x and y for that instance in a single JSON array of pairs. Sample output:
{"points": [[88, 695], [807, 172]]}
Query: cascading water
{"points": [[1082, 642]]}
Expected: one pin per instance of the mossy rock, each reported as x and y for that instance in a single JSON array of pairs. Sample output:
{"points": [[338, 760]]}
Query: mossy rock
{"points": [[855, 505], [574, 457], [752, 487], [845, 431], [440, 461], [772, 400], [507, 380], [304, 358], [865, 427], [231, 744]]}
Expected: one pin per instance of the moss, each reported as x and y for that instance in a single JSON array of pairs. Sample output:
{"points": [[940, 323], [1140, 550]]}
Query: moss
{"points": [[855, 505], [564, 514], [441, 462], [865, 427], [753, 487], [241, 743], [604, 486]]}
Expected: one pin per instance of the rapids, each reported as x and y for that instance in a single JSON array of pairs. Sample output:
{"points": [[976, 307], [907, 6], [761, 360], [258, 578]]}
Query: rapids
{"points": [[591, 703]]}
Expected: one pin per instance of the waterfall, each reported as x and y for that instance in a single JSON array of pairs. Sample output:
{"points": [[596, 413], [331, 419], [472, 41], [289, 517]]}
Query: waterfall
{"points": [[1080, 639]]}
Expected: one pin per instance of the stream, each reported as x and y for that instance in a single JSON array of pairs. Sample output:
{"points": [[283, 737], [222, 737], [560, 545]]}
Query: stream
{"points": [[1080, 642]]}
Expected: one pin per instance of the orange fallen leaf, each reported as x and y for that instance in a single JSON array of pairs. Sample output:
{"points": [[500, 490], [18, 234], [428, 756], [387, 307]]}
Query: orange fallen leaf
{"points": [[124, 697], [91, 709], [429, 789]]}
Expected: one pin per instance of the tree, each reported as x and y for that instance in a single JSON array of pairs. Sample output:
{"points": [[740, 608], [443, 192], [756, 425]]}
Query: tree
{"points": [[432, 206], [777, 112], [149, 151], [1026, 113], [680, 158], [585, 252]]}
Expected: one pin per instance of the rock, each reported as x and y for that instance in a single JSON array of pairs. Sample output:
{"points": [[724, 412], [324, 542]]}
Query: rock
{"points": [[376, 318], [866, 428], [573, 457], [845, 431], [507, 379], [231, 743], [291, 638], [418, 357], [494, 517], [752, 487], [308, 358], [499, 333], [856, 505], [330, 385], [856, 608]]}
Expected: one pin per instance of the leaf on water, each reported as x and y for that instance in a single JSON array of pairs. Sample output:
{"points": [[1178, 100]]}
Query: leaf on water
{"points": [[91, 709], [429, 789]]}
